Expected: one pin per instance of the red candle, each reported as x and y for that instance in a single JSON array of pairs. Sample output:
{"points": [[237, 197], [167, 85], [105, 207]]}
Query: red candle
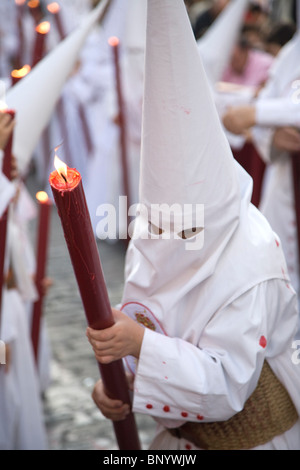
{"points": [[68, 192], [41, 260], [42, 30], [54, 8], [20, 4], [114, 43], [6, 169]]}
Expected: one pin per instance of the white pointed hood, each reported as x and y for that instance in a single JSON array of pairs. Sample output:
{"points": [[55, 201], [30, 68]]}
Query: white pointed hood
{"points": [[286, 66], [177, 285], [183, 144], [217, 44], [35, 96]]}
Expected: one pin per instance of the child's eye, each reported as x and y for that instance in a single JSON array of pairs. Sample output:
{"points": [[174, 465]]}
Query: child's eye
{"points": [[154, 229], [189, 233]]}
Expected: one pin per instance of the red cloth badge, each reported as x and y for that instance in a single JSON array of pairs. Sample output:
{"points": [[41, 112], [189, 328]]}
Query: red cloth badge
{"points": [[144, 317]]}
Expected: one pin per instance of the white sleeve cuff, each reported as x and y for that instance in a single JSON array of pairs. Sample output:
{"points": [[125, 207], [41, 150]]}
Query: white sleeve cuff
{"points": [[278, 113]]}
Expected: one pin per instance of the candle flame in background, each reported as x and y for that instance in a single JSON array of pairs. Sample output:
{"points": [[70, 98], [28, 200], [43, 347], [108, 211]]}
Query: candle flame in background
{"points": [[33, 3], [43, 27], [20, 73], [113, 41], [42, 196], [53, 7], [60, 166]]}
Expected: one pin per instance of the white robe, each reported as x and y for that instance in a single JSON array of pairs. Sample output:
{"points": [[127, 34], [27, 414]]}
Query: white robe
{"points": [[24, 261], [214, 379], [207, 350], [276, 107], [217, 304], [9, 401], [8, 334], [22, 424]]}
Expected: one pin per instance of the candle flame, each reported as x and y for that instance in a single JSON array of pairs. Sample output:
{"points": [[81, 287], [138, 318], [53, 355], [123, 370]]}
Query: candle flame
{"points": [[43, 27], [42, 196], [53, 7], [33, 3], [3, 106], [20, 73], [60, 166], [113, 41]]}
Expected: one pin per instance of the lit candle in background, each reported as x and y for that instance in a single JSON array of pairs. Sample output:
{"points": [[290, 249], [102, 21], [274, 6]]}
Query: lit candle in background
{"points": [[20, 4], [42, 29], [17, 74], [68, 192], [35, 9], [115, 44], [33, 3], [54, 8], [45, 206]]}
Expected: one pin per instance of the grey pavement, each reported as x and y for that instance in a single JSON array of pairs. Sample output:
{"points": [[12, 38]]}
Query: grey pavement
{"points": [[72, 420]]}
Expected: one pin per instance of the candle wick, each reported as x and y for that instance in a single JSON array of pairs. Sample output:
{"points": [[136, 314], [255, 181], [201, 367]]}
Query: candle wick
{"points": [[63, 176]]}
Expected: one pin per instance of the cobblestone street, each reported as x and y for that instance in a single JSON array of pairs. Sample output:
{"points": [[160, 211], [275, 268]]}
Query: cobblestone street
{"points": [[72, 419]]}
